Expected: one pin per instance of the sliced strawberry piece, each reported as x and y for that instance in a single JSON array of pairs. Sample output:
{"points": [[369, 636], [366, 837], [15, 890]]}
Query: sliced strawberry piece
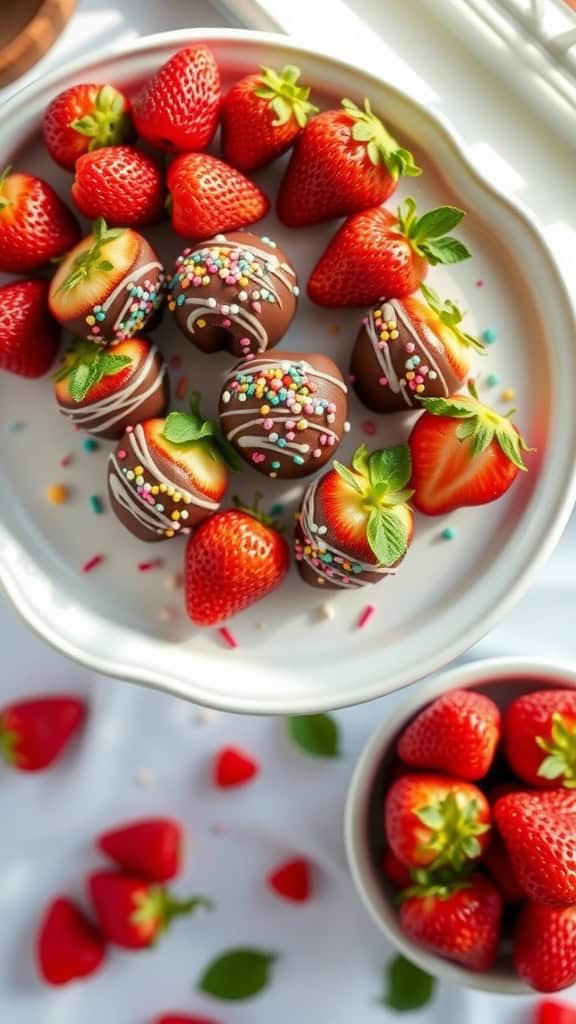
{"points": [[34, 732], [234, 767], [68, 946], [292, 880], [151, 848]]}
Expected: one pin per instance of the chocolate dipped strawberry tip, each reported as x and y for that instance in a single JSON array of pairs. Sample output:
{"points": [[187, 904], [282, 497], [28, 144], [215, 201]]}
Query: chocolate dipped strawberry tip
{"points": [[451, 316], [287, 99], [381, 147], [91, 260], [428, 234]]}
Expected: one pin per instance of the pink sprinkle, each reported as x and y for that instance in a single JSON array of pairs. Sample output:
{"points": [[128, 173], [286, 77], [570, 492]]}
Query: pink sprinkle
{"points": [[364, 319], [317, 453], [268, 424], [419, 379], [121, 454], [95, 329], [256, 307], [479, 284], [369, 427], [228, 637], [383, 381], [156, 563], [290, 424], [410, 346], [309, 409], [129, 430], [176, 362], [66, 460], [290, 436], [331, 441], [92, 563], [365, 616], [352, 378], [230, 280]]}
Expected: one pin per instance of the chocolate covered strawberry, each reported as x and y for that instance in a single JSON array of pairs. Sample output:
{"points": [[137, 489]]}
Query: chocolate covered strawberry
{"points": [[233, 767], [121, 184], [262, 115], [166, 475], [208, 197], [35, 225], [177, 109], [540, 738], [459, 921], [28, 333], [379, 255], [131, 912], [457, 734], [545, 947], [104, 391], [35, 731], [109, 286], [233, 559], [433, 821], [83, 118], [150, 848], [409, 349], [355, 524], [344, 161], [68, 946], [539, 830], [463, 453]]}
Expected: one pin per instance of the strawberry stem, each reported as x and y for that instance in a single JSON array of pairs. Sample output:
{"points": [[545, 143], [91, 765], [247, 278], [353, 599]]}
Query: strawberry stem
{"points": [[454, 827], [560, 762], [108, 124], [255, 511], [428, 234], [3, 176], [286, 98], [381, 147], [451, 316]]}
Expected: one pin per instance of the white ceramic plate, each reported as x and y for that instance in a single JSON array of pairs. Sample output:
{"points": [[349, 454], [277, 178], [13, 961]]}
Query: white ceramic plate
{"points": [[446, 595]]}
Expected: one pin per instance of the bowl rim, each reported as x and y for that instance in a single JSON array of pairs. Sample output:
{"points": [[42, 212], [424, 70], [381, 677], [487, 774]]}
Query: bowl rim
{"points": [[466, 676], [192, 686]]}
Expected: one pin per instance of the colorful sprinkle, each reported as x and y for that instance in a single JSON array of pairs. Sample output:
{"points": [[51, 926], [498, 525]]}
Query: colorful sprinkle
{"points": [[479, 284], [95, 504], [182, 387], [155, 563], [166, 614], [57, 494], [90, 445], [368, 427], [145, 778], [508, 395], [66, 460], [228, 637], [15, 426], [175, 362], [492, 380], [327, 611], [173, 581], [92, 563], [489, 335], [365, 616]]}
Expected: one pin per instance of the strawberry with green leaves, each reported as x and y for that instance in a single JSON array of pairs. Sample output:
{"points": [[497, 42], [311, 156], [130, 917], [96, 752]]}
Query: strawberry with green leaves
{"points": [[344, 161], [262, 115], [35, 225], [208, 197], [540, 738], [105, 390], [463, 453], [35, 731], [133, 913], [84, 118], [433, 821], [379, 255], [355, 524]]}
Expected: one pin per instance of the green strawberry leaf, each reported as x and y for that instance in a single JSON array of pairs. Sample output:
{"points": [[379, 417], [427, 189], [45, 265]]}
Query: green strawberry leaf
{"points": [[348, 477], [512, 444], [285, 96], [387, 536], [444, 250], [436, 223], [237, 974], [482, 437], [79, 382], [451, 316], [111, 365], [408, 987], [391, 466], [180, 428], [552, 767], [453, 407], [467, 428], [382, 148], [317, 735], [360, 461], [471, 847], [430, 816]]}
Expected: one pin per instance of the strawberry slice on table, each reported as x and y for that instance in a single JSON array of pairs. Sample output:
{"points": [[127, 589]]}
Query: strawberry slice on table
{"points": [[463, 453], [550, 1011], [35, 225], [234, 767], [28, 333], [183, 1018], [68, 946], [539, 830], [292, 880], [459, 921], [83, 118], [540, 738], [457, 733], [34, 732], [121, 184], [133, 913], [233, 559], [435, 822], [545, 948], [262, 115], [177, 109], [151, 848], [344, 161], [377, 254], [208, 196]]}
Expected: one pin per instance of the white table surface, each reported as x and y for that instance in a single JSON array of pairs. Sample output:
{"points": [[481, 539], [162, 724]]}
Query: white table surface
{"points": [[332, 955]]}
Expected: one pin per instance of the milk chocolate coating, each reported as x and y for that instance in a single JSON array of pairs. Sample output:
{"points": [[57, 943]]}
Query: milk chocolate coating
{"points": [[247, 311], [126, 309], [396, 361], [143, 396], [285, 416], [149, 516]]}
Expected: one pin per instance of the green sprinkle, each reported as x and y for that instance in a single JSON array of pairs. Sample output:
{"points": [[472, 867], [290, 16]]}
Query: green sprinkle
{"points": [[90, 445], [489, 335], [277, 510], [17, 425], [448, 533], [298, 460], [492, 380], [275, 465], [95, 504]]}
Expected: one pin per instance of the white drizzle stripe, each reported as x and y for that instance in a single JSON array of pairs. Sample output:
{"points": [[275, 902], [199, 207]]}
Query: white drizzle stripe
{"points": [[123, 402], [245, 320], [385, 363], [278, 270], [266, 364], [274, 419], [144, 456], [147, 515]]}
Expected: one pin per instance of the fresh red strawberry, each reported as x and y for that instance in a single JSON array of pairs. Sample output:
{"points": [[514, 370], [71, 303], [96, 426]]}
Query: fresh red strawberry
{"points": [[234, 767], [34, 732], [35, 225], [463, 453], [539, 830], [344, 161], [233, 559], [550, 1011], [355, 522], [151, 848], [180, 1018], [262, 115], [131, 912], [377, 254], [178, 107], [67, 945], [28, 333], [82, 118], [395, 871], [458, 734], [460, 921], [545, 947], [291, 880], [433, 822], [208, 197], [497, 860], [540, 738], [121, 184]]}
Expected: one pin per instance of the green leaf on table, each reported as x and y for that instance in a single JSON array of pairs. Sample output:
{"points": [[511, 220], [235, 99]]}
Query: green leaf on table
{"points": [[408, 987], [318, 735], [237, 974]]}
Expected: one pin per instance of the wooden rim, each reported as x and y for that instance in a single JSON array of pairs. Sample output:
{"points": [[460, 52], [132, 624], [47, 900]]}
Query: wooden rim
{"points": [[35, 39]]}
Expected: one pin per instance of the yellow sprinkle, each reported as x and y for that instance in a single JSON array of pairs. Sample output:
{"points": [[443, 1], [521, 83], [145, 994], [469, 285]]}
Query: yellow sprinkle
{"points": [[410, 375], [394, 335], [170, 492], [163, 488], [200, 323], [172, 305], [264, 410], [91, 320], [175, 514], [307, 550], [391, 324], [279, 374], [377, 312], [155, 489], [169, 533], [244, 282], [176, 497], [187, 499], [419, 388], [508, 395], [57, 494], [302, 425], [384, 336], [138, 470]]}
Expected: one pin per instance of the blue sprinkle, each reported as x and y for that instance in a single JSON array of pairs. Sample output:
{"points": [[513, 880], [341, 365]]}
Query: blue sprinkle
{"points": [[448, 533], [489, 335], [357, 568], [492, 380], [17, 425], [180, 300], [275, 400], [95, 504], [281, 442], [90, 445], [275, 465], [326, 557], [298, 460]]}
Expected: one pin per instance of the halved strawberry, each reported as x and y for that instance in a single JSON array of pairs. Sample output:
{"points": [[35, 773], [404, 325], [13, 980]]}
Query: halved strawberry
{"points": [[463, 453], [83, 118], [35, 225], [92, 269], [91, 372]]}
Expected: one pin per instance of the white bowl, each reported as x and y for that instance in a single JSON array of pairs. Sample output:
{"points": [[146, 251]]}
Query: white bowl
{"points": [[446, 596], [502, 679]]}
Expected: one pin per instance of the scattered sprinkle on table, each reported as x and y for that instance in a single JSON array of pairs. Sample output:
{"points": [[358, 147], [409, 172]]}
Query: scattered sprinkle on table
{"points": [[92, 563], [57, 494], [96, 504], [351, 378], [479, 284], [166, 614], [334, 328], [204, 716], [492, 380], [173, 581], [66, 460], [15, 426], [218, 828], [448, 533], [365, 616], [145, 778], [155, 563], [489, 335], [176, 362], [368, 427], [228, 637], [182, 387], [260, 625], [277, 510], [90, 445], [508, 395], [327, 610]]}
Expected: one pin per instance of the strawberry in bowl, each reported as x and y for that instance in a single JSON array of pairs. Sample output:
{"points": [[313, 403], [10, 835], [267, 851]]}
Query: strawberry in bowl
{"points": [[83, 118], [29, 335], [36, 226], [178, 107], [121, 184]]}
